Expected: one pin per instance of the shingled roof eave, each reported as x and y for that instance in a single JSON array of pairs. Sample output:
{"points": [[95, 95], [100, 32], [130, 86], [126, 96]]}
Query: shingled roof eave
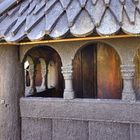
{"points": [[80, 18], [64, 40], [7, 5]]}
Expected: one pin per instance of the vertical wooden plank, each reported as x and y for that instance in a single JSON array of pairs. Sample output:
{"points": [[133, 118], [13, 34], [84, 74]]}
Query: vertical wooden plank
{"points": [[108, 73], [38, 76], [97, 71], [137, 75], [77, 75], [30, 129], [11, 88], [36, 129], [70, 130], [88, 72], [85, 81], [108, 131], [45, 129]]}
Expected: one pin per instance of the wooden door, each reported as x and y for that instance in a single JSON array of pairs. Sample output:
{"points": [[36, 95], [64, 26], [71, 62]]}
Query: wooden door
{"points": [[137, 75], [108, 73], [85, 72], [97, 73]]}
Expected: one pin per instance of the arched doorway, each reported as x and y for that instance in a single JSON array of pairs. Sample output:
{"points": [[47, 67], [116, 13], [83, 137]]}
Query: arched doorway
{"points": [[136, 82], [97, 72], [42, 56]]}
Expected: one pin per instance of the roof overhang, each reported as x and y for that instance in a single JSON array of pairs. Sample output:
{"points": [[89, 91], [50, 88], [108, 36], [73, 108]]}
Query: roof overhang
{"points": [[37, 20], [42, 42], [7, 5]]}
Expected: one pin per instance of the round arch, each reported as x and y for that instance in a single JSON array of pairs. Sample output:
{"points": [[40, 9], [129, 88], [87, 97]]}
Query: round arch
{"points": [[43, 71], [97, 72], [107, 43], [42, 56]]}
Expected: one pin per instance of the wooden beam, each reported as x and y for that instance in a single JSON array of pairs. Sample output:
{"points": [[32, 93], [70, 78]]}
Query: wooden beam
{"points": [[79, 39], [8, 44], [69, 40]]}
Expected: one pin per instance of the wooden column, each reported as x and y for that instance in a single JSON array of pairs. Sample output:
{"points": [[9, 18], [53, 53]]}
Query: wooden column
{"points": [[44, 74], [128, 76], [11, 88], [67, 73], [32, 88]]}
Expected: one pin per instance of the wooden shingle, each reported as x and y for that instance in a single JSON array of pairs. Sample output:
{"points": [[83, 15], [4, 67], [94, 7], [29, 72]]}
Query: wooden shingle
{"points": [[36, 19]]}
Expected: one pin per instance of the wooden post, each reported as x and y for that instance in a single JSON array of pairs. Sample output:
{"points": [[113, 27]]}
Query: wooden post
{"points": [[67, 73], [43, 74], [11, 88], [32, 88]]}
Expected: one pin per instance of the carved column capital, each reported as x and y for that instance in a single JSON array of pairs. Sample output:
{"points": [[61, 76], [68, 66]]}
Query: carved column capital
{"points": [[128, 72], [67, 72]]}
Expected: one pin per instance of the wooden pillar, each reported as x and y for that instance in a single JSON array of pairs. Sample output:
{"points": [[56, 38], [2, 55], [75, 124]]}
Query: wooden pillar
{"points": [[128, 76], [67, 73], [43, 74], [32, 88], [11, 88]]}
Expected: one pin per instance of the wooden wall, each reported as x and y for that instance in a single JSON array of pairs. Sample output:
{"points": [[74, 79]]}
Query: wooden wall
{"points": [[137, 74], [97, 72], [38, 75]]}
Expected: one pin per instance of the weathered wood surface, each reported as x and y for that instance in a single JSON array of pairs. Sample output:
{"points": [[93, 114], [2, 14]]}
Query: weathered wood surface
{"points": [[109, 24], [37, 19], [53, 14], [38, 77], [109, 79], [38, 129], [61, 27], [86, 27], [97, 73], [84, 76], [137, 74], [11, 88], [6, 5], [86, 119]]}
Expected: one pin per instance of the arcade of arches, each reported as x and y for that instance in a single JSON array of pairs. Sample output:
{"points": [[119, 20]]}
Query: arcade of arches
{"points": [[43, 76], [96, 72]]}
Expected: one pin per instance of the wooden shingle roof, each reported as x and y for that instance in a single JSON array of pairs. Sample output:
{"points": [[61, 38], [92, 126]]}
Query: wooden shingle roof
{"points": [[36, 19]]}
